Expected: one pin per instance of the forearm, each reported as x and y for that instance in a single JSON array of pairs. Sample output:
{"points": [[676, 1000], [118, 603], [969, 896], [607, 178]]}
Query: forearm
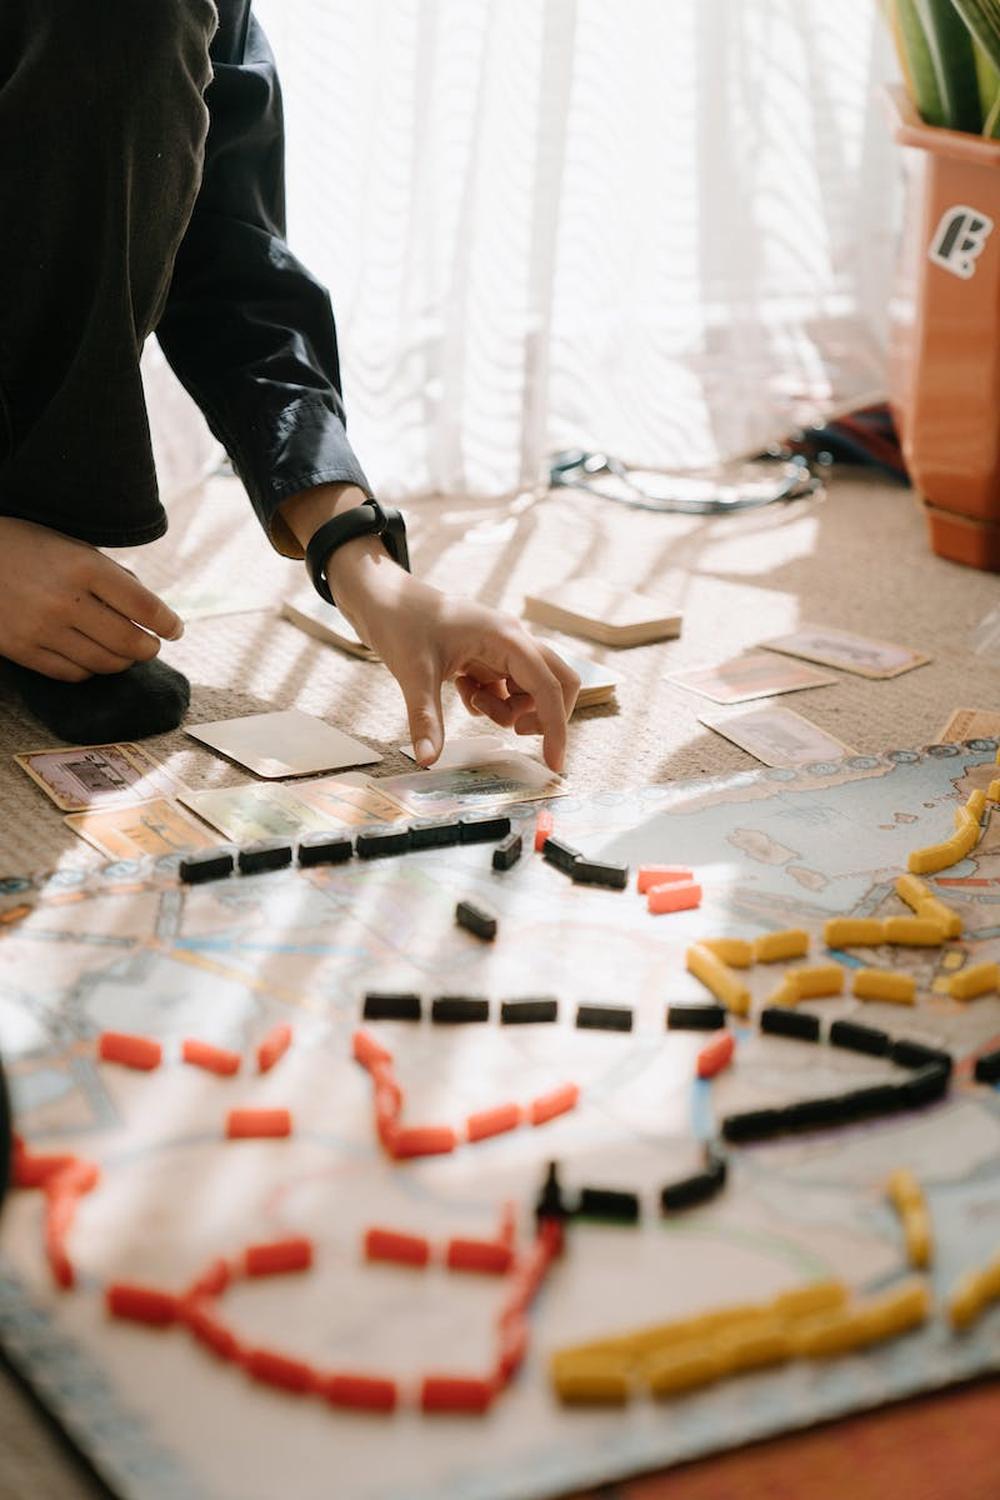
{"points": [[361, 574]]}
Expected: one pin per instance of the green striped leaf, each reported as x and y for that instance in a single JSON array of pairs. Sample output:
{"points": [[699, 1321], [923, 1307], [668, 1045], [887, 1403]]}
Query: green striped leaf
{"points": [[949, 44]]}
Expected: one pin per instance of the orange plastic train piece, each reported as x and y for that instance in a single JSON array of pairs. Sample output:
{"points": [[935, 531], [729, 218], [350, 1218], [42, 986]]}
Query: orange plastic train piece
{"points": [[559, 1102], [218, 1060], [683, 895], [142, 1052], [273, 1047], [141, 1304], [717, 1055], [390, 1244], [258, 1124], [493, 1121], [488, 1256], [278, 1256]]}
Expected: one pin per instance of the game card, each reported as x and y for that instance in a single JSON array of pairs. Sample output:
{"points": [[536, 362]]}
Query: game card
{"points": [[510, 778], [777, 736], [324, 622], [755, 675], [203, 602], [89, 776], [852, 653], [350, 801], [970, 724], [244, 813], [463, 751], [157, 827], [288, 743]]}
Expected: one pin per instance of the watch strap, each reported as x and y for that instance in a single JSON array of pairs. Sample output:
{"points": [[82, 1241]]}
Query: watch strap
{"points": [[367, 519]]}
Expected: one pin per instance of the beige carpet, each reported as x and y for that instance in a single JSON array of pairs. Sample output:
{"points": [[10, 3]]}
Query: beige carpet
{"points": [[857, 559]]}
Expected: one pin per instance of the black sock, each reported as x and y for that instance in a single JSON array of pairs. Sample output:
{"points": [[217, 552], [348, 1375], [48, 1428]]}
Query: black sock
{"points": [[147, 698]]}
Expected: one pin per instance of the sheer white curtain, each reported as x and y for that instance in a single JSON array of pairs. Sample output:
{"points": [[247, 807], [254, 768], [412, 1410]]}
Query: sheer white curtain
{"points": [[659, 227]]}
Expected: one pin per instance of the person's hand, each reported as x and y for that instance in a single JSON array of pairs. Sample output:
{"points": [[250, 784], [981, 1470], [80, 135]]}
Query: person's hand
{"points": [[68, 611], [427, 638]]}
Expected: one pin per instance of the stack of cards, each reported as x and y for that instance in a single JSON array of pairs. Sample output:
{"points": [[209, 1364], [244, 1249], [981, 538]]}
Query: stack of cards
{"points": [[604, 613], [597, 681]]}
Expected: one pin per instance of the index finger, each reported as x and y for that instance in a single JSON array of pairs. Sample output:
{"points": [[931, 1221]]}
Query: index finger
{"points": [[529, 664], [122, 591]]}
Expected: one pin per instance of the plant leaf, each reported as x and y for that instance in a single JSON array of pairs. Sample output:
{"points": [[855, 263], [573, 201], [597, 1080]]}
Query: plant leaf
{"points": [[950, 46]]}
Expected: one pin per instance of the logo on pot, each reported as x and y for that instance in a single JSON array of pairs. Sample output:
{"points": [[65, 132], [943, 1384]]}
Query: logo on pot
{"points": [[959, 238]]}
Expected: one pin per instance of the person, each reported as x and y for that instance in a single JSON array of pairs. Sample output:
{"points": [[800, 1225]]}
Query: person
{"points": [[142, 189]]}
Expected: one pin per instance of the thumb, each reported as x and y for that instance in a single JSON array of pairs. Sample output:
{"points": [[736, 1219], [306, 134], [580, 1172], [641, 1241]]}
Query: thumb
{"points": [[423, 708]]}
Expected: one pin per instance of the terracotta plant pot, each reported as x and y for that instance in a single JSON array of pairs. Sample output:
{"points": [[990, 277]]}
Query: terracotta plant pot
{"points": [[944, 355]]}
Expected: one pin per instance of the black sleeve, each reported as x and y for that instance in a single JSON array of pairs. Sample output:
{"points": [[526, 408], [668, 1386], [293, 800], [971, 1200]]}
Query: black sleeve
{"points": [[246, 328]]}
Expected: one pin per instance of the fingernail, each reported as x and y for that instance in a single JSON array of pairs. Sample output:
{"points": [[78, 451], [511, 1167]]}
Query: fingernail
{"points": [[178, 632], [424, 751]]}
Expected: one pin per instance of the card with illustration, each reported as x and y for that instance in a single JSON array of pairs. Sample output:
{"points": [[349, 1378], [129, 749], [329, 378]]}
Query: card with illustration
{"points": [[87, 776], [156, 827], [852, 653], [443, 793], [755, 675], [777, 736]]}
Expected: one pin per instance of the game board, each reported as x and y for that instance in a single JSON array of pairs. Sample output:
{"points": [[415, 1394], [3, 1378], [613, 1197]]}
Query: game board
{"points": [[130, 949]]}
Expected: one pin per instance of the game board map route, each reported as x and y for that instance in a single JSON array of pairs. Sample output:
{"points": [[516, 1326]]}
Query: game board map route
{"points": [[791, 1201]]}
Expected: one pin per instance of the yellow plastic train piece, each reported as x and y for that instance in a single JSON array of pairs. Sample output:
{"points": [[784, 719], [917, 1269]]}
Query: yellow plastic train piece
{"points": [[896, 1312], [940, 856], [683, 1368], [829, 1333], [967, 1302], [912, 890], [812, 1321], [885, 984], [754, 1347], [974, 1291], [976, 803], [903, 1190], [723, 983], [914, 932], [937, 911], [918, 1236], [975, 980], [993, 791], [772, 947], [590, 1378], [853, 932], [815, 981], [737, 953], [814, 1297]]}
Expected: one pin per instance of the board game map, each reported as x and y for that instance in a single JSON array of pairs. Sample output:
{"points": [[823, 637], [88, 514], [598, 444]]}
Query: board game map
{"points": [[130, 949]]}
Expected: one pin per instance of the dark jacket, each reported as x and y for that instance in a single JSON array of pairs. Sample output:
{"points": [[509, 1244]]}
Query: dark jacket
{"points": [[114, 222], [247, 328]]}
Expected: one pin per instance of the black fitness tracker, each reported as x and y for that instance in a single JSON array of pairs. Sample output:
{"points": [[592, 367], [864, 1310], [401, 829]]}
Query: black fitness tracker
{"points": [[368, 519]]}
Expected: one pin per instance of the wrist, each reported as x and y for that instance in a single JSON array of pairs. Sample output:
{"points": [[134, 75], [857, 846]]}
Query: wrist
{"points": [[301, 515]]}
